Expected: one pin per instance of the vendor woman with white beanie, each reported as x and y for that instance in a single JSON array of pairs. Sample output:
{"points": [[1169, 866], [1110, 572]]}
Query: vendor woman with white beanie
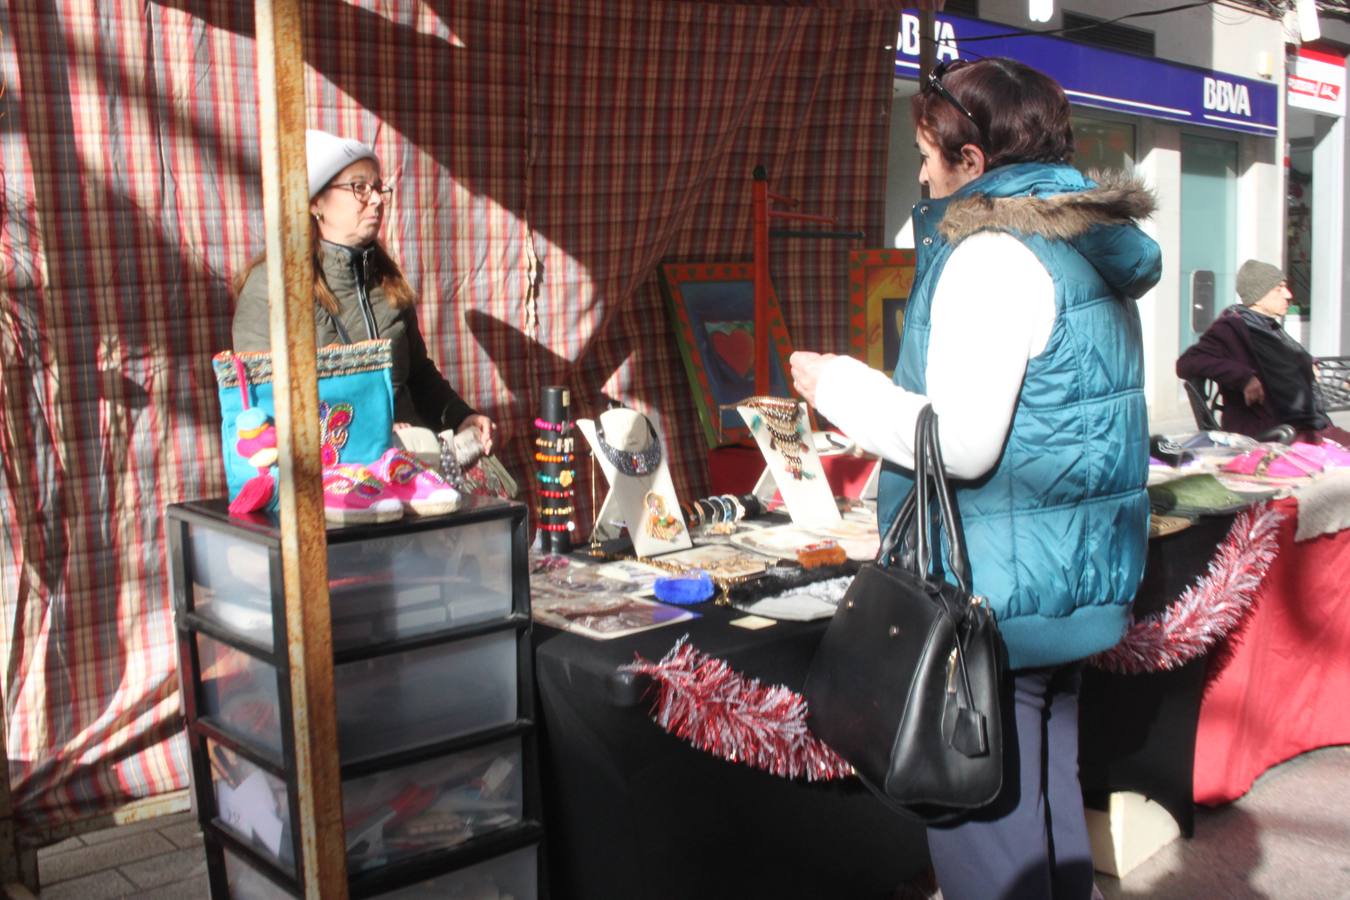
{"points": [[359, 290]]}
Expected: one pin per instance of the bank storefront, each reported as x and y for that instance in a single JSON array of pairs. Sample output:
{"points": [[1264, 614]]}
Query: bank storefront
{"points": [[1205, 140]]}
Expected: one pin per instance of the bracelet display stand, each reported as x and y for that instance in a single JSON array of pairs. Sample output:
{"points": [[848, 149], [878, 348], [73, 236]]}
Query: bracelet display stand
{"points": [[792, 465], [555, 471], [643, 499]]}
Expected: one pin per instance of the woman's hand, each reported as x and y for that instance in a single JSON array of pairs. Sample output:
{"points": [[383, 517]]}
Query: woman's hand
{"points": [[806, 368], [485, 427]]}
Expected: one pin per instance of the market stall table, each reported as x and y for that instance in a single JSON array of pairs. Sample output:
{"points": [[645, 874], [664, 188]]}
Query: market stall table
{"points": [[633, 812]]}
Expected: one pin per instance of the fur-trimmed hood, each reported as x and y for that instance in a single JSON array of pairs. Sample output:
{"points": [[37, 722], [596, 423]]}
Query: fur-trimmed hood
{"points": [[1097, 215]]}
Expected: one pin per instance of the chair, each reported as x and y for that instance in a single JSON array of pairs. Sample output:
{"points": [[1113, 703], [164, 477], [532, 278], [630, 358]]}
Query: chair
{"points": [[1207, 403]]}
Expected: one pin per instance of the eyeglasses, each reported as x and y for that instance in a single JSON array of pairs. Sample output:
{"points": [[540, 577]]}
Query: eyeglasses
{"points": [[936, 86], [363, 189]]}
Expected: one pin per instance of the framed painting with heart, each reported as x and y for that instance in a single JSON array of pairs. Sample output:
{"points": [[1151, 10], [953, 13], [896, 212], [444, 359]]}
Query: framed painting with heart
{"points": [[879, 282], [712, 308]]}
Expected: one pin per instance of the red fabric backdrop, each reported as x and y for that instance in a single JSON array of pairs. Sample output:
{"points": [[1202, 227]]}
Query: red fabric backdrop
{"points": [[546, 156]]}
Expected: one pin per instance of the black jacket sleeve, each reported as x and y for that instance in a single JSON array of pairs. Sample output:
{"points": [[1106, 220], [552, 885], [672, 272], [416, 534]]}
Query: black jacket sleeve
{"points": [[1219, 356], [436, 402]]}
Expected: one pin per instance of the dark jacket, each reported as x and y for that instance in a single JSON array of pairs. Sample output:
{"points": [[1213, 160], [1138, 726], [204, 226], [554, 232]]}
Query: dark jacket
{"points": [[1057, 531], [1224, 354], [422, 396]]}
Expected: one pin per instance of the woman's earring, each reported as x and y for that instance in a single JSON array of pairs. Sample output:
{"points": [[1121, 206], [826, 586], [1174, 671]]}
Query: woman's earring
{"points": [[318, 217]]}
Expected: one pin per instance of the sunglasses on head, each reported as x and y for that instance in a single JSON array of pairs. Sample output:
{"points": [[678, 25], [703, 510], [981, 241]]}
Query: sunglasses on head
{"points": [[934, 84]]}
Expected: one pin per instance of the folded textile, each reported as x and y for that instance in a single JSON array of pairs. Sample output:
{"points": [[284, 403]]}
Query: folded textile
{"points": [[1198, 494], [1323, 505]]}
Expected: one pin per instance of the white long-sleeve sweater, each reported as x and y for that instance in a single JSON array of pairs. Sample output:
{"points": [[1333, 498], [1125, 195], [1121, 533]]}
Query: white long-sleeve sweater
{"points": [[992, 311]]}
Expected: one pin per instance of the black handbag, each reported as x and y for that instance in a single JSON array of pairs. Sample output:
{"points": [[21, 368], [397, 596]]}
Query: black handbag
{"points": [[905, 683]]}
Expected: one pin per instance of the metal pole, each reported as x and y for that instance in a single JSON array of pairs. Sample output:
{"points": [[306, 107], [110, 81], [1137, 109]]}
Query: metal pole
{"points": [[304, 549]]}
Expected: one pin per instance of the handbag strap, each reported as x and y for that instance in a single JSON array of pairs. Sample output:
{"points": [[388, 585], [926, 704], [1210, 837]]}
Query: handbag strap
{"points": [[908, 536], [241, 372]]}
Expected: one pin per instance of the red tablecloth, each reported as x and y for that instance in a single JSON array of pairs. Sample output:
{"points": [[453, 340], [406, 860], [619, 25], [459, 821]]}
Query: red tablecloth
{"points": [[735, 469], [1285, 687]]}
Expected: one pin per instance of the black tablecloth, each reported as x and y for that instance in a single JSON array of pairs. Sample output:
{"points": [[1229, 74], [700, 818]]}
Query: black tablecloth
{"points": [[632, 812], [1137, 732]]}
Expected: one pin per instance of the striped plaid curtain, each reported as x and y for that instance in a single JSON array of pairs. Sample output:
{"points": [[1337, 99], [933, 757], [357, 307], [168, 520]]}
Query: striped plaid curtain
{"points": [[546, 157]]}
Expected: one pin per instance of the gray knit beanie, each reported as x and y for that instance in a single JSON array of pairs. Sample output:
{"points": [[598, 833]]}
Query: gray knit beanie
{"points": [[1256, 279]]}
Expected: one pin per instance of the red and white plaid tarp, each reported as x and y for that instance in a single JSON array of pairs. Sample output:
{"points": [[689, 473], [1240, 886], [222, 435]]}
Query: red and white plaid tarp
{"points": [[546, 156]]}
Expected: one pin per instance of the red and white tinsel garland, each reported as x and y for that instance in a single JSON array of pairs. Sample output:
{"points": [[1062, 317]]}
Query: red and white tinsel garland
{"points": [[702, 700], [1206, 611]]}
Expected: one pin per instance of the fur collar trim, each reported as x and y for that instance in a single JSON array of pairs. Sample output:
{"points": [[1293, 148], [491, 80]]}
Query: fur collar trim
{"points": [[1118, 199]]}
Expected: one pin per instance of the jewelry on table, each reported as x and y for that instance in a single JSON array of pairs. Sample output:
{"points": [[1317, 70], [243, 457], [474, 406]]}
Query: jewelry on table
{"points": [[556, 511], [659, 523], [546, 425], [782, 418], [558, 495], [553, 457], [563, 478], [643, 462]]}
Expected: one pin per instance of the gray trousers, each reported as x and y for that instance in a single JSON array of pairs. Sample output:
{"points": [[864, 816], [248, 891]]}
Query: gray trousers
{"points": [[1032, 842]]}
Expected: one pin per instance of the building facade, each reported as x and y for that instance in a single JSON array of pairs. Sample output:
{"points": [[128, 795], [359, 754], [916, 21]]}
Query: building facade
{"points": [[1194, 102]]}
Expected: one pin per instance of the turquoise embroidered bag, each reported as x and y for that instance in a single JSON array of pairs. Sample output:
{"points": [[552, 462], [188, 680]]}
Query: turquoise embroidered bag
{"points": [[356, 406]]}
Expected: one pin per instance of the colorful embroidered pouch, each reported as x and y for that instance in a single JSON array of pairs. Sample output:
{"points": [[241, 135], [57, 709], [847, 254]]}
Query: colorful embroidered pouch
{"points": [[356, 405]]}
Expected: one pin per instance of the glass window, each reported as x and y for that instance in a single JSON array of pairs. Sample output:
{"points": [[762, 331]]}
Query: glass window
{"points": [[1102, 144]]}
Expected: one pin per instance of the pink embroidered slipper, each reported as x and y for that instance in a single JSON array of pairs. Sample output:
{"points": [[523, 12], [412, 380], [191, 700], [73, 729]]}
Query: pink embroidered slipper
{"points": [[353, 495], [419, 488]]}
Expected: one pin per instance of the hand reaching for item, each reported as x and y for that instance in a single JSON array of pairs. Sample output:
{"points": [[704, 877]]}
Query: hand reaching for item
{"points": [[806, 367], [1253, 393], [486, 428]]}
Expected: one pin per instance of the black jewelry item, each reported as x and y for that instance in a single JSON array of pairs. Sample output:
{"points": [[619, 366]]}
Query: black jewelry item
{"points": [[643, 462]]}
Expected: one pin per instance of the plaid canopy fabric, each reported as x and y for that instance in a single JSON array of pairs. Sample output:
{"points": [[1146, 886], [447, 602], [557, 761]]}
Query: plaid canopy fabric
{"points": [[545, 156]]}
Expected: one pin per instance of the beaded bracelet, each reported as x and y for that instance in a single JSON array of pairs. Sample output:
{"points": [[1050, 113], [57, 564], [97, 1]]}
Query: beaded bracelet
{"points": [[561, 526], [558, 495], [559, 427], [556, 511], [553, 457], [691, 513], [563, 478], [562, 444]]}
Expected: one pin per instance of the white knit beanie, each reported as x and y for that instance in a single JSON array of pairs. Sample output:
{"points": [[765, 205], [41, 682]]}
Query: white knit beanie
{"points": [[327, 154]]}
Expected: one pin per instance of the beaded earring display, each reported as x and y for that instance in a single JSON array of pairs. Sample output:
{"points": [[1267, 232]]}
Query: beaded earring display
{"points": [[785, 420]]}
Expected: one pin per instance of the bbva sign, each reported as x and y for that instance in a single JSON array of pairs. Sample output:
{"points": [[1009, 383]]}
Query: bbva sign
{"points": [[1226, 97]]}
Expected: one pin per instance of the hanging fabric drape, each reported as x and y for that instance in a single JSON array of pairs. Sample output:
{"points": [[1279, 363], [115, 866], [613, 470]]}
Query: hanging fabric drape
{"points": [[545, 156]]}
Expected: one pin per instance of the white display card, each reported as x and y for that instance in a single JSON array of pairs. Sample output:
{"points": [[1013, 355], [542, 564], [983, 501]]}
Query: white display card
{"points": [[645, 503], [808, 498]]}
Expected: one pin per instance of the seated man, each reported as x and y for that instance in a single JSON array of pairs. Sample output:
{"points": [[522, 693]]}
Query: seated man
{"points": [[1265, 377]]}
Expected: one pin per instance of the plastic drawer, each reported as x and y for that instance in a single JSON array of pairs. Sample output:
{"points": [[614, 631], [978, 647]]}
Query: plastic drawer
{"points": [[434, 805], [252, 804], [412, 584], [388, 817], [231, 582], [240, 692], [512, 876], [405, 700], [247, 883]]}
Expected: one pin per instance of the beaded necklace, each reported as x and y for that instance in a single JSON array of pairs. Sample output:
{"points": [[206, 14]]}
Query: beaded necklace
{"points": [[643, 462], [782, 417]]}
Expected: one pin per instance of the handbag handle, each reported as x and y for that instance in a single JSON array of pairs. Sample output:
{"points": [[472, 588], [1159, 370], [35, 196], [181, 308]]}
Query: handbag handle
{"points": [[910, 536]]}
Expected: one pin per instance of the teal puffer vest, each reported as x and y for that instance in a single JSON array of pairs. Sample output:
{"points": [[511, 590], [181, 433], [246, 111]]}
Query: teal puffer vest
{"points": [[1057, 531]]}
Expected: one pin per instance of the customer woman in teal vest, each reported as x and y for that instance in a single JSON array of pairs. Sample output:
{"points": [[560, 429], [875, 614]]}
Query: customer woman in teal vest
{"points": [[1022, 332]]}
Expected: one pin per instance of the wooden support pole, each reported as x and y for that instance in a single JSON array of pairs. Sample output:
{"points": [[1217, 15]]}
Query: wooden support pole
{"points": [[304, 549], [760, 212]]}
